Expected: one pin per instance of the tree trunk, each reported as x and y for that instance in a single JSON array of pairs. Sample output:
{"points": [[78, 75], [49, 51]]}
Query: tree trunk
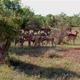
{"points": [[4, 51]]}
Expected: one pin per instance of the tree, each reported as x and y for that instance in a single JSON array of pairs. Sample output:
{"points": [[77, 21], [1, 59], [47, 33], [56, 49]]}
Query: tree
{"points": [[36, 22], [9, 23], [11, 4], [26, 15], [50, 20], [61, 20]]}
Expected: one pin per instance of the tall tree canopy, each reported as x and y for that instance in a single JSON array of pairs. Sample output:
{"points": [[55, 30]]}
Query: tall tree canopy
{"points": [[50, 20]]}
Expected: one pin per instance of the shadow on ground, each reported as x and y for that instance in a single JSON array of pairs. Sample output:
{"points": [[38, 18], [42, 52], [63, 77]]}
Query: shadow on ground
{"points": [[32, 51], [43, 72]]}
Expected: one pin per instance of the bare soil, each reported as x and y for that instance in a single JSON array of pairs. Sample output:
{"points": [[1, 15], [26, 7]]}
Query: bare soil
{"points": [[73, 54]]}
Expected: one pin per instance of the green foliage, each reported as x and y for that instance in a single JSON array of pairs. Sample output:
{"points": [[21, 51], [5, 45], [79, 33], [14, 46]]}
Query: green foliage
{"points": [[36, 22], [50, 20], [26, 15], [9, 24], [11, 4], [9, 21], [30, 20]]}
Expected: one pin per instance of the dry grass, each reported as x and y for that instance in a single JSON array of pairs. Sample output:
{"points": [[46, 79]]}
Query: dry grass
{"points": [[42, 63]]}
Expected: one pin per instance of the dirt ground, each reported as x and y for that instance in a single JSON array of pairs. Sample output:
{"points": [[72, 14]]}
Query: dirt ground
{"points": [[73, 54]]}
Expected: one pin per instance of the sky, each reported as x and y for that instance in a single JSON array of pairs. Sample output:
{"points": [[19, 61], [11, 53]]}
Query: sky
{"points": [[55, 7]]}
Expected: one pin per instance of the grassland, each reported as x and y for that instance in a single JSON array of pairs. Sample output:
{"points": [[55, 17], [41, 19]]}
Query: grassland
{"points": [[41, 63]]}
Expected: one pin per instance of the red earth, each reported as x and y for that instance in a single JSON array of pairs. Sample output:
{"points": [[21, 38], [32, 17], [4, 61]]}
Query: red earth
{"points": [[73, 54]]}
